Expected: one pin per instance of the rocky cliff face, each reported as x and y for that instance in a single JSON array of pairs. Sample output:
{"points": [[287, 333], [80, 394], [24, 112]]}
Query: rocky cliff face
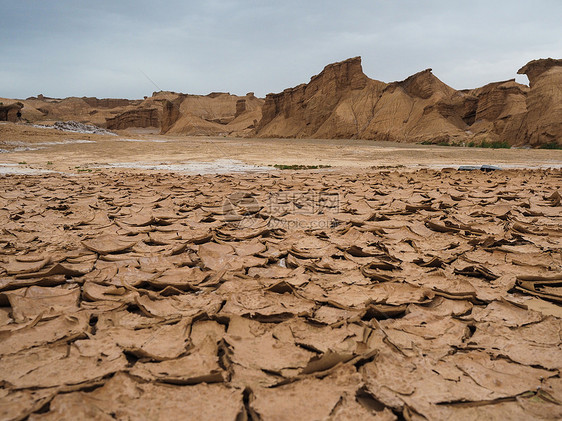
{"points": [[542, 122], [500, 100], [500, 108], [84, 110], [10, 112], [215, 114], [416, 109], [140, 117], [339, 102], [109, 102], [218, 113], [240, 107], [321, 108], [170, 113], [342, 102]]}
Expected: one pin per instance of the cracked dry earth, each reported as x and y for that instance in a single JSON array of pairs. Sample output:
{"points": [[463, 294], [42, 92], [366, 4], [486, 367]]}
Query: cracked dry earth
{"points": [[287, 295]]}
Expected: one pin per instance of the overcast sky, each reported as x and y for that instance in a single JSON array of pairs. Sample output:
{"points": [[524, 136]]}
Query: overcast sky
{"points": [[123, 48]]}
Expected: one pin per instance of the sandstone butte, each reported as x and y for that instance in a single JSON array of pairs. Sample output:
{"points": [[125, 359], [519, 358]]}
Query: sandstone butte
{"points": [[339, 102]]}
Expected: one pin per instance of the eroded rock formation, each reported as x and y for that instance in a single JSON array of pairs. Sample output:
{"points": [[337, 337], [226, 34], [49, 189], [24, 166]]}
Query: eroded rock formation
{"points": [[170, 113], [240, 107], [42, 109], [322, 108], [10, 112], [141, 117], [110, 102], [543, 121], [342, 102], [500, 109], [215, 114]]}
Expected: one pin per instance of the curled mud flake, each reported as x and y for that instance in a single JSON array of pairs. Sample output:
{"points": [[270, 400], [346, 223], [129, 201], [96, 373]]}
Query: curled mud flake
{"points": [[185, 278], [555, 199], [107, 244], [519, 227], [7, 284], [361, 406], [329, 315], [41, 333], [201, 365], [536, 345], [159, 342], [435, 226], [59, 365], [548, 287], [19, 267], [128, 275], [477, 272], [267, 354], [96, 292], [218, 256], [444, 285], [442, 306], [505, 313], [66, 269], [309, 398], [158, 307], [502, 377], [383, 311], [28, 303], [18, 405], [433, 335], [139, 400], [432, 262], [267, 306]]}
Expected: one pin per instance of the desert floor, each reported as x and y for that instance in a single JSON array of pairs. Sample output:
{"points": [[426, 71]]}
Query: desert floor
{"points": [[388, 286], [64, 151]]}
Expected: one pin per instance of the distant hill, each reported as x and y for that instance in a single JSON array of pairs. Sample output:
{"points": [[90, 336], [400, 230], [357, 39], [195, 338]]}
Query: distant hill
{"points": [[339, 102]]}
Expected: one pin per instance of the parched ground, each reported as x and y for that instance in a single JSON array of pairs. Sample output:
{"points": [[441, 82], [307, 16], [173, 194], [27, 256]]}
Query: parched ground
{"points": [[32, 148], [328, 295]]}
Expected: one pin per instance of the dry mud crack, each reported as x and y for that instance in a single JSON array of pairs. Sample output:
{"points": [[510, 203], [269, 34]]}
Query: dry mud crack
{"points": [[377, 295]]}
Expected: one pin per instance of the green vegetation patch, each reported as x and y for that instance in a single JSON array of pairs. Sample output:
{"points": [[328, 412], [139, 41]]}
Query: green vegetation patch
{"points": [[551, 145], [495, 144]]}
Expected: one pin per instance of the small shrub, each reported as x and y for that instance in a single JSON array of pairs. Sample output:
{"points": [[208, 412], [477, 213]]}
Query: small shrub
{"points": [[551, 145], [439, 143], [496, 144]]}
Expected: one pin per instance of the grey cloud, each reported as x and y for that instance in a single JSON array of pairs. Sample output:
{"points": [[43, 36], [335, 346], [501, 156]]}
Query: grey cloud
{"points": [[103, 48]]}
